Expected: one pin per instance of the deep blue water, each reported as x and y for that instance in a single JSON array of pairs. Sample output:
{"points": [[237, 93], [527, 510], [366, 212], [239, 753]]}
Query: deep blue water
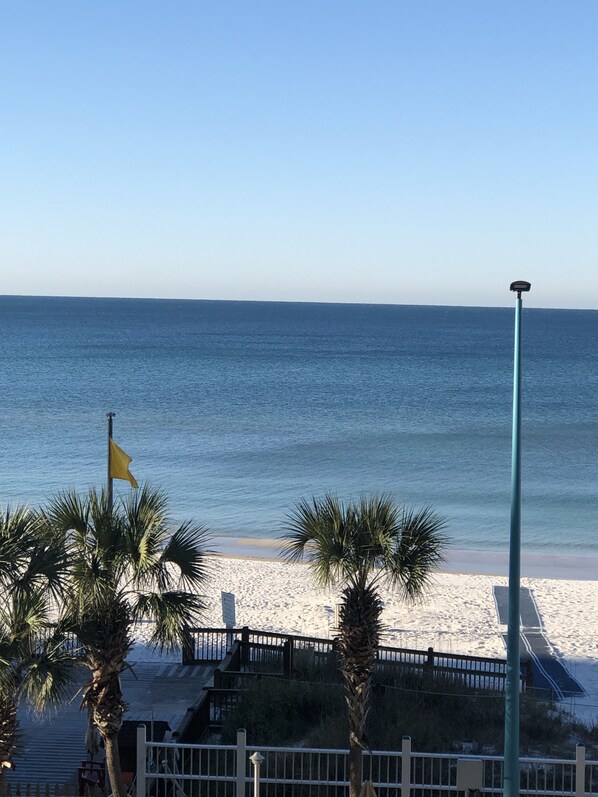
{"points": [[238, 409]]}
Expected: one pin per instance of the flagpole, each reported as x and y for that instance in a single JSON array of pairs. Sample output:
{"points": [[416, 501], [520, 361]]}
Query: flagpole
{"points": [[110, 416]]}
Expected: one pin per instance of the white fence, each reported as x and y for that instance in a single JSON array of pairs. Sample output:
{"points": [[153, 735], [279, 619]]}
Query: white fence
{"points": [[210, 770]]}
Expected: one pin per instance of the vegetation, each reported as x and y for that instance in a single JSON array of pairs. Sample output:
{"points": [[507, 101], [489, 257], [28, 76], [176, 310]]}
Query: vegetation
{"points": [[361, 546], [34, 665], [311, 712], [124, 565]]}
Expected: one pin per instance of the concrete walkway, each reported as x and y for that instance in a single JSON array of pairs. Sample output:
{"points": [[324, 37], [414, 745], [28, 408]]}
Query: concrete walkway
{"points": [[549, 674], [53, 747]]}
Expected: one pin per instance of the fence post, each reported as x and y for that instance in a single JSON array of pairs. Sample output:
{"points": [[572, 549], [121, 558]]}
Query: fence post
{"points": [[580, 770], [256, 759], [430, 661], [406, 767], [245, 651], [287, 656], [141, 760], [529, 674], [188, 647], [241, 756]]}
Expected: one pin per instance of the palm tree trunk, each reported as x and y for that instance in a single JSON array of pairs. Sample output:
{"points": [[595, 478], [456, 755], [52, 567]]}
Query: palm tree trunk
{"points": [[104, 697], [117, 783], [359, 637], [105, 657], [355, 768], [108, 717]]}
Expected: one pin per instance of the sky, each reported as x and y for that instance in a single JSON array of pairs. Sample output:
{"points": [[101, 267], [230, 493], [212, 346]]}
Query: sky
{"points": [[424, 152]]}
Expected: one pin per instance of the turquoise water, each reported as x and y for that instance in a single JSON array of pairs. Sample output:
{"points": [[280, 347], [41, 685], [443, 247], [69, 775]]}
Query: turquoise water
{"points": [[238, 409]]}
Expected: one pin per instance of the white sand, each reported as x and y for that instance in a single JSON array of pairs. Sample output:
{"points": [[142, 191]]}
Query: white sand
{"points": [[458, 614]]}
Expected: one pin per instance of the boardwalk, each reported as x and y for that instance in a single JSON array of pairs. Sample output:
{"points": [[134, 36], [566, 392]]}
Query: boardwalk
{"points": [[550, 674], [52, 748]]}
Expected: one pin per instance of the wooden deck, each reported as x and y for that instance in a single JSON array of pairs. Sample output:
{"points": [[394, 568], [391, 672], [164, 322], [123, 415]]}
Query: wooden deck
{"points": [[53, 747]]}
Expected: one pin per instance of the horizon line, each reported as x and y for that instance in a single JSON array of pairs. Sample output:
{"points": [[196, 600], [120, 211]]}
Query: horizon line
{"points": [[284, 301]]}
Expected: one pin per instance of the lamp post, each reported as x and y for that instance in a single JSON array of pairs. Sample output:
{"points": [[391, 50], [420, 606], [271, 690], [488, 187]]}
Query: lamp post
{"points": [[511, 758]]}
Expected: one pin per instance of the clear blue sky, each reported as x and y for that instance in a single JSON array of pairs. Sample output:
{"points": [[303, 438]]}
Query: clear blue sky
{"points": [[409, 152]]}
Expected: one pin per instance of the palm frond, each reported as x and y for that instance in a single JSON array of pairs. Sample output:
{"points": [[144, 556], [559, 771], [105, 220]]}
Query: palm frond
{"points": [[145, 516], [24, 617], [145, 504], [419, 551], [144, 522], [172, 613], [105, 530], [33, 661], [91, 581], [68, 512], [364, 542], [46, 568], [17, 534], [9, 677], [48, 677], [187, 549], [320, 532]]}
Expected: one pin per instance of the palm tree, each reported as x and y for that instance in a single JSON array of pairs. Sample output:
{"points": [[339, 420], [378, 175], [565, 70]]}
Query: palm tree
{"points": [[126, 565], [35, 665], [361, 546]]}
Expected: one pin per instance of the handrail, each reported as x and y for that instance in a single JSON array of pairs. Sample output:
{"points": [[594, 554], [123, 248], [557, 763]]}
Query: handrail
{"points": [[386, 654]]}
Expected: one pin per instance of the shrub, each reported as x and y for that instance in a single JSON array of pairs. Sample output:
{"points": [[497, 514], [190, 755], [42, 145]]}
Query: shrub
{"points": [[438, 713]]}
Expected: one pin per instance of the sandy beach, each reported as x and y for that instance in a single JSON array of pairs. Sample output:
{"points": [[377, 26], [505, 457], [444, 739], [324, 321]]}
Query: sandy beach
{"points": [[458, 614]]}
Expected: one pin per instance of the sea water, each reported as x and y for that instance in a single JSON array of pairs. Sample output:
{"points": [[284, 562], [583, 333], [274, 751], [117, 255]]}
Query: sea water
{"points": [[239, 409]]}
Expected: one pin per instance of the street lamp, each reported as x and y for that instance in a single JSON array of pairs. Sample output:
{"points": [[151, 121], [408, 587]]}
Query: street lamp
{"points": [[511, 759]]}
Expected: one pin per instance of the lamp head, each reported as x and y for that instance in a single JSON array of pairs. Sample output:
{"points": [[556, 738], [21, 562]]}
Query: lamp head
{"points": [[520, 286]]}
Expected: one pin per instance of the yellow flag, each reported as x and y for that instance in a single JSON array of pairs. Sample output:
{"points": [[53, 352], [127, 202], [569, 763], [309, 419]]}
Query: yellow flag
{"points": [[119, 464]]}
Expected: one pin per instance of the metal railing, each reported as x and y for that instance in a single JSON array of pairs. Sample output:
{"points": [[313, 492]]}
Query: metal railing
{"points": [[204, 770]]}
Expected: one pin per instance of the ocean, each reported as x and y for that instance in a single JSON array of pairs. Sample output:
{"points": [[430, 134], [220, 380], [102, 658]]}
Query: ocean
{"points": [[239, 409]]}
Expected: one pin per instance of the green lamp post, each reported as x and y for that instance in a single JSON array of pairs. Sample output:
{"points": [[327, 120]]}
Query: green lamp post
{"points": [[511, 760]]}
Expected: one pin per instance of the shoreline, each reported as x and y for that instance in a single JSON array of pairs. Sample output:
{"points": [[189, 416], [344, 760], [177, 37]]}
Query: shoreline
{"points": [[569, 567]]}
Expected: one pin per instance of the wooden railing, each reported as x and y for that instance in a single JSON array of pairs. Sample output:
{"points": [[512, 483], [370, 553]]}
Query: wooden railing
{"points": [[211, 707], [284, 653], [244, 654]]}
